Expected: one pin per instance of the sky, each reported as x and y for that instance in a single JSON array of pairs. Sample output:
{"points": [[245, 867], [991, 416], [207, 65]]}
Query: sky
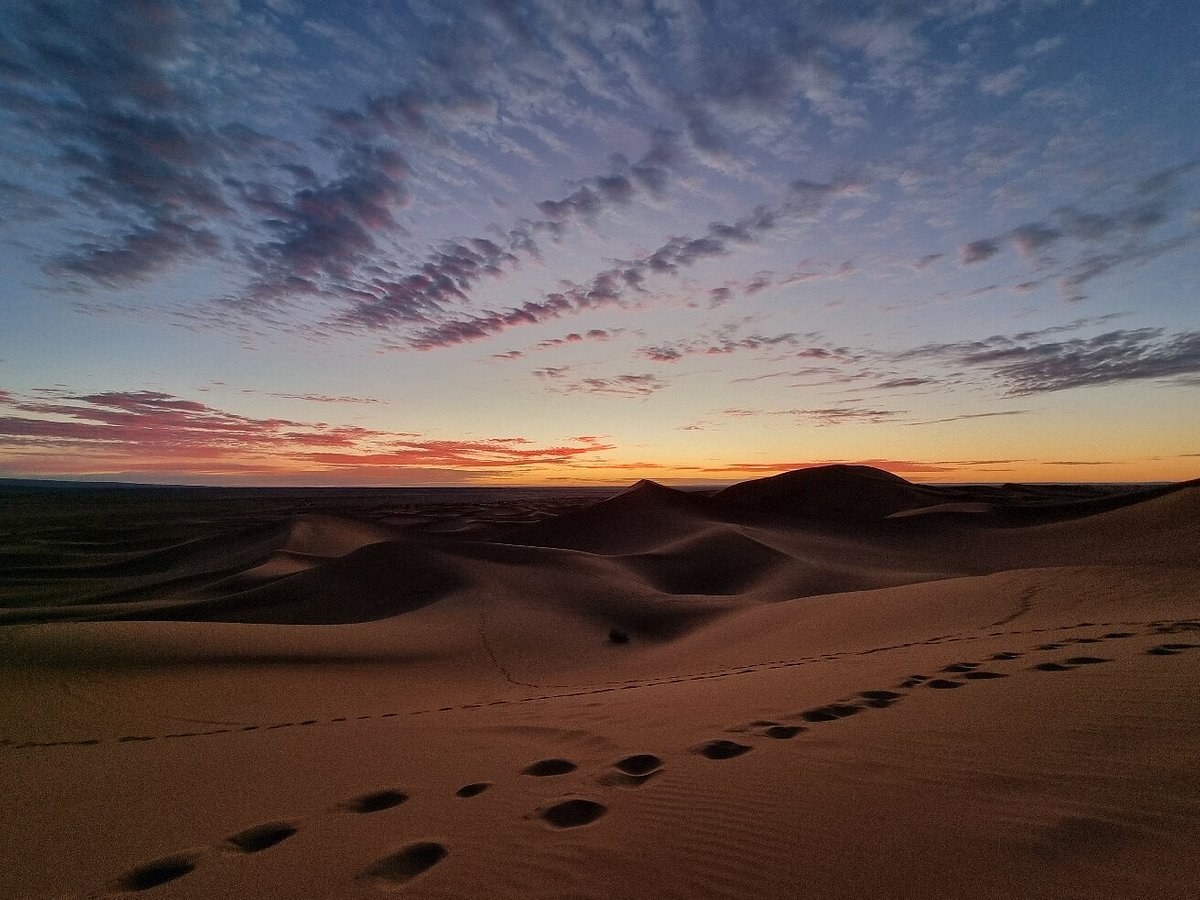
{"points": [[548, 242]]}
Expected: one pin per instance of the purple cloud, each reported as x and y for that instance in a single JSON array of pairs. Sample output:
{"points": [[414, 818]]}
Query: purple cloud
{"points": [[979, 251]]}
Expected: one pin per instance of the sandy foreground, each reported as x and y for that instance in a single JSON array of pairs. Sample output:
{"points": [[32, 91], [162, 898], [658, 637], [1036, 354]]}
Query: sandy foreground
{"points": [[831, 683]]}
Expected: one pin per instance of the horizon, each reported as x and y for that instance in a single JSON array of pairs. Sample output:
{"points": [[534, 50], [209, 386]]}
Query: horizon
{"points": [[284, 244], [66, 483]]}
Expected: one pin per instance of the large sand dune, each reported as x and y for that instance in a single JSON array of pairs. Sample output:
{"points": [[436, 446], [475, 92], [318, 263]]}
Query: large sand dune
{"points": [[827, 683]]}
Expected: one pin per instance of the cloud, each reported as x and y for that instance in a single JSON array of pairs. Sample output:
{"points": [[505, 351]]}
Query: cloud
{"points": [[978, 251], [137, 254], [180, 162], [616, 386], [480, 327], [719, 296], [847, 413], [130, 432], [321, 398], [472, 455], [451, 273], [448, 275], [719, 346], [1093, 243], [1027, 364], [649, 175], [575, 337], [660, 353], [841, 415], [902, 383], [127, 95], [810, 274], [969, 416], [95, 82], [1031, 239], [613, 286], [1002, 83]]}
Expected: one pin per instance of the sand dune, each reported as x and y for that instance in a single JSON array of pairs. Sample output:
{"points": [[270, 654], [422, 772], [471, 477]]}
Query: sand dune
{"points": [[830, 683], [829, 492]]}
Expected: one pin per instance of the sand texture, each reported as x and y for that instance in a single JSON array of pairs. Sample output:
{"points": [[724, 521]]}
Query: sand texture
{"points": [[830, 683]]}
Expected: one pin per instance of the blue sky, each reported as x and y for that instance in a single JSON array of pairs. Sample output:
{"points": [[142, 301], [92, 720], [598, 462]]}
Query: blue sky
{"points": [[546, 242]]}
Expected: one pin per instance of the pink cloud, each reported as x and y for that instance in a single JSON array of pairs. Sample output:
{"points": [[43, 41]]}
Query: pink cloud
{"points": [[153, 432]]}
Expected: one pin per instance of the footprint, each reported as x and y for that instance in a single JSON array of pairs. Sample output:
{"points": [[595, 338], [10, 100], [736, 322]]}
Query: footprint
{"points": [[880, 695], [1162, 650], [1051, 646], [981, 675], [1004, 656], [1051, 667], [152, 874], [914, 680], [260, 837], [376, 801], [880, 699], [1085, 660], [546, 767], [1118, 634], [961, 667], [404, 865], [783, 732], [639, 765], [721, 749], [1177, 627], [573, 813], [473, 790], [944, 684], [829, 713]]}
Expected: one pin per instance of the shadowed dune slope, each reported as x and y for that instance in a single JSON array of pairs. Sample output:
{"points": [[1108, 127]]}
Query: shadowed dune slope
{"points": [[718, 560], [640, 519], [372, 582]]}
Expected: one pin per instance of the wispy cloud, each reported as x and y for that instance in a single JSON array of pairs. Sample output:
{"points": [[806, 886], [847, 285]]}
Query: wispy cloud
{"points": [[720, 346], [624, 282], [843, 414], [628, 386], [1027, 364], [966, 417], [321, 398], [1075, 245]]}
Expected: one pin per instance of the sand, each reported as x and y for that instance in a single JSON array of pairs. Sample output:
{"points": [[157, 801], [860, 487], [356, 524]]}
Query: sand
{"points": [[831, 683]]}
